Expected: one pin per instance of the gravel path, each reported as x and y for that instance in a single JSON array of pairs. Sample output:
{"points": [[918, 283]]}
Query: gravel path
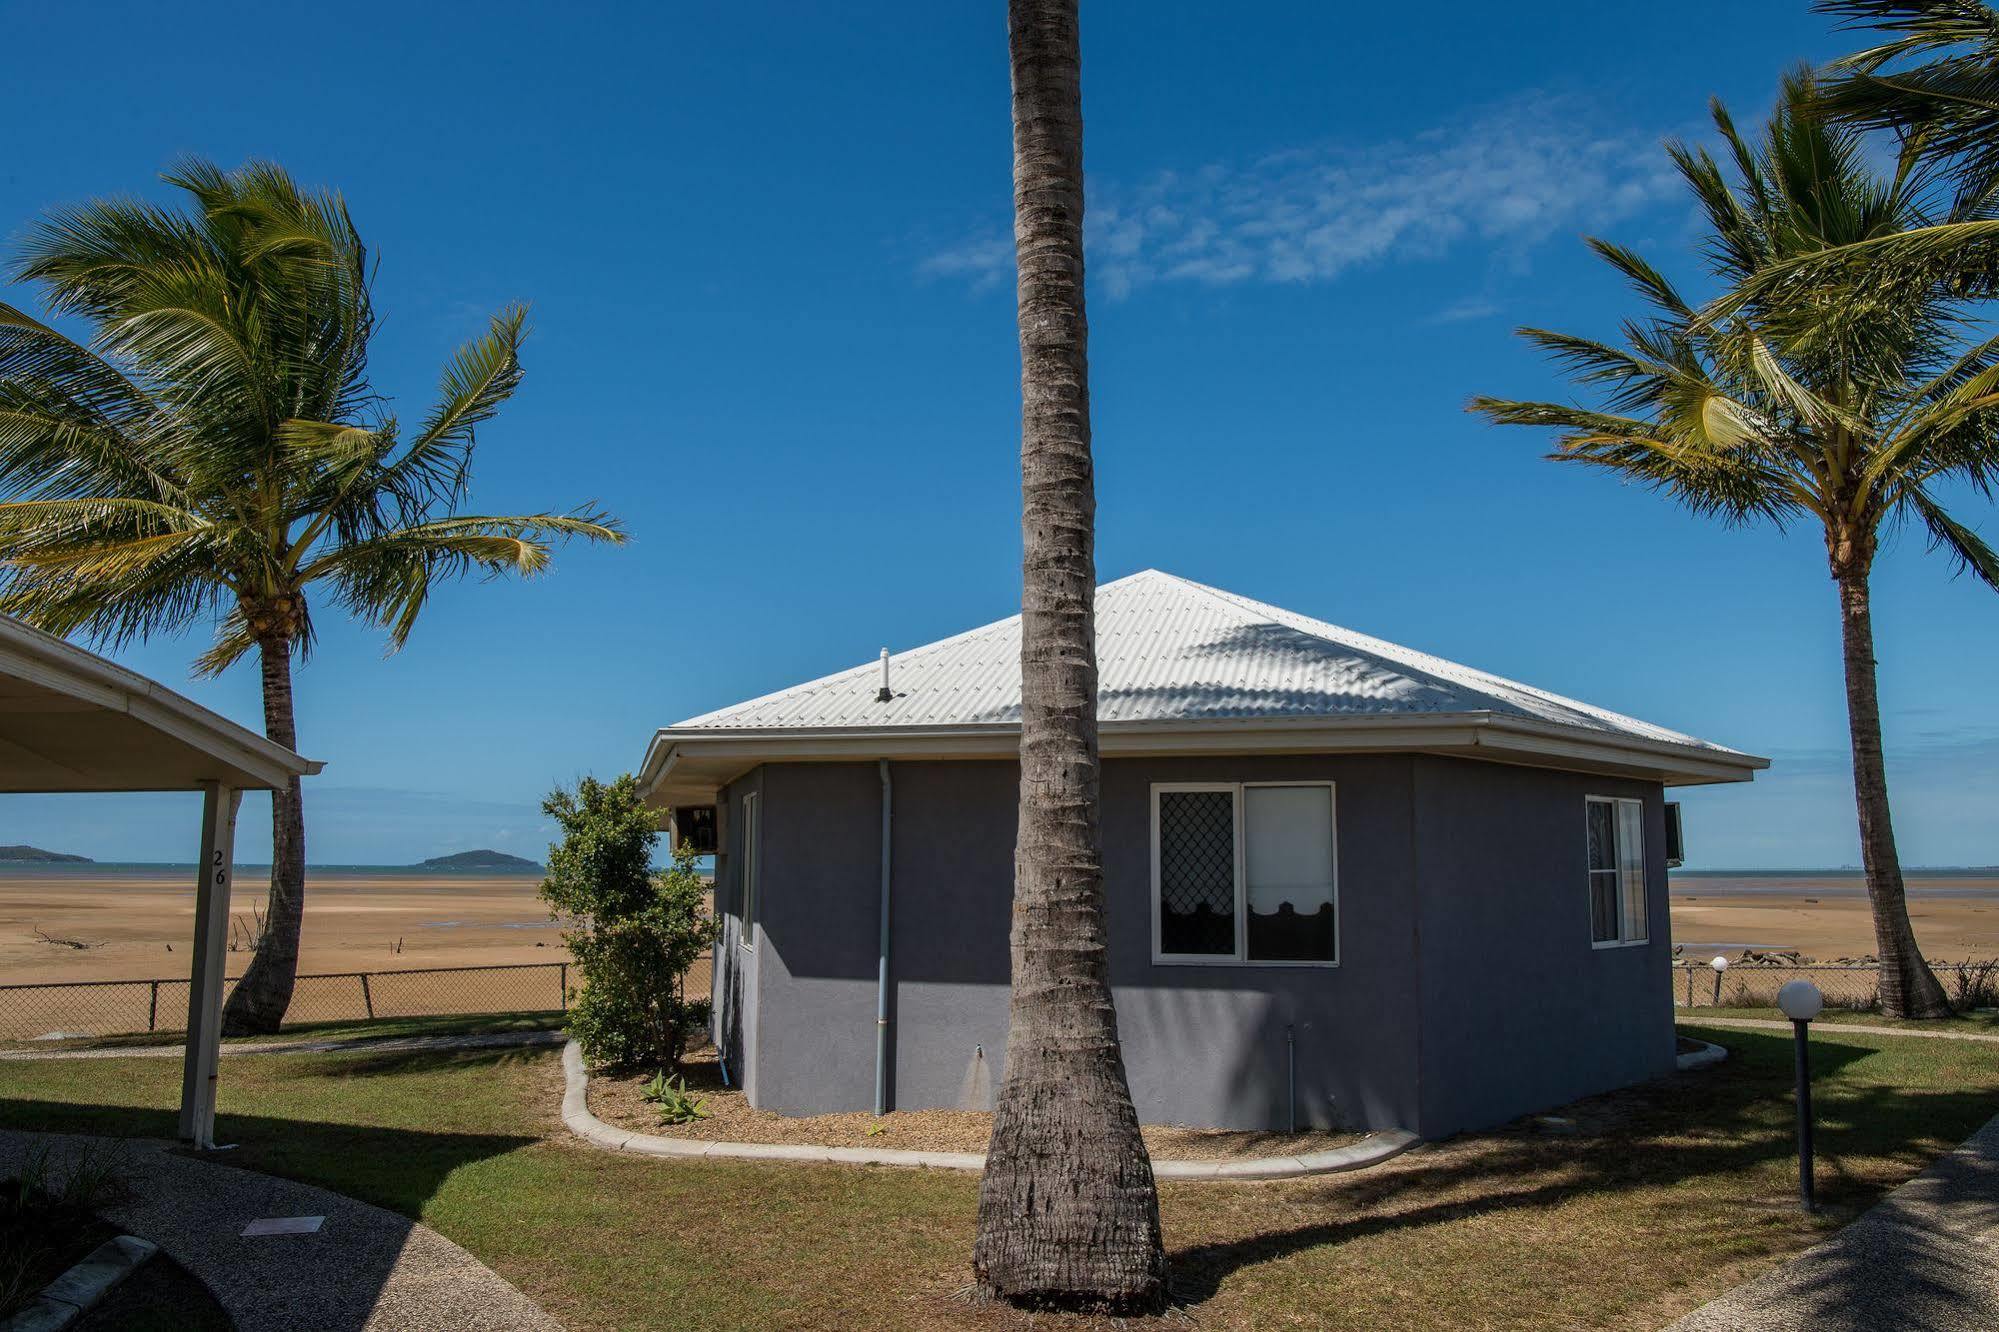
{"points": [[366, 1269], [480, 1041], [1926, 1256]]}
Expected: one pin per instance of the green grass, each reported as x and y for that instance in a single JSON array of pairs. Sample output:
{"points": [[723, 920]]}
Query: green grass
{"points": [[1662, 1197], [450, 1024], [1981, 1022]]}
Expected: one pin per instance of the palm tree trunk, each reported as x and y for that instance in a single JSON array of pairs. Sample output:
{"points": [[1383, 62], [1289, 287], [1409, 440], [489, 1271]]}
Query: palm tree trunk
{"points": [[1068, 1212], [260, 999], [1908, 988]]}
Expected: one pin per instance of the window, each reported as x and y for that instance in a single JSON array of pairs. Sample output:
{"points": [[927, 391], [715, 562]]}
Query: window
{"points": [[748, 873], [1616, 871], [1244, 873]]}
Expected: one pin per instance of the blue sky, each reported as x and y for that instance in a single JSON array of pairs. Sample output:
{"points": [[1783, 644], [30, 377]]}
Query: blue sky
{"points": [[767, 251]]}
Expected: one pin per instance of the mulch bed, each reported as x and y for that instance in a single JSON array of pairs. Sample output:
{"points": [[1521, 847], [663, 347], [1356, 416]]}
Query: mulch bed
{"points": [[615, 1099]]}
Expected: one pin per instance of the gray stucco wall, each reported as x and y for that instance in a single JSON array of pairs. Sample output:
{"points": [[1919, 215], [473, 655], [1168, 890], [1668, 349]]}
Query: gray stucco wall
{"points": [[1520, 1011], [1452, 874]]}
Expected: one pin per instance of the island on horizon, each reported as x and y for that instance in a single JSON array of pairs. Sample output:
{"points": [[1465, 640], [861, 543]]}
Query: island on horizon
{"points": [[479, 860], [34, 855]]}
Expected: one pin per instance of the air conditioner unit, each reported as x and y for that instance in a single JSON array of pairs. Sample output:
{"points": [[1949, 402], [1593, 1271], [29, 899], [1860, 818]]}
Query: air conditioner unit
{"points": [[1676, 847], [693, 827]]}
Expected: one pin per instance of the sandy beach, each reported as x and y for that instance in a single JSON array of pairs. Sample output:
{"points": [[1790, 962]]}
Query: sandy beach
{"points": [[1825, 915], [138, 923]]}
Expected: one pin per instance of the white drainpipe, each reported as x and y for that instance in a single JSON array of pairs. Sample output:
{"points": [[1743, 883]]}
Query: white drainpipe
{"points": [[881, 980]]}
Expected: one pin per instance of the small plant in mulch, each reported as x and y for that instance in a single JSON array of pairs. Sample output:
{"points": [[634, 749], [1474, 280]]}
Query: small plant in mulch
{"points": [[48, 1217], [676, 1105]]}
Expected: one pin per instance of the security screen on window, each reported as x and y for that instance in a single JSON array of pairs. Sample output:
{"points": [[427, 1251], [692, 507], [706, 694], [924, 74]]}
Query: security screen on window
{"points": [[1246, 872]]}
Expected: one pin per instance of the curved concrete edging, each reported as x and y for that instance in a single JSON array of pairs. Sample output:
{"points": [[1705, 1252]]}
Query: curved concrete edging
{"points": [[1707, 1056], [576, 1114], [83, 1286]]}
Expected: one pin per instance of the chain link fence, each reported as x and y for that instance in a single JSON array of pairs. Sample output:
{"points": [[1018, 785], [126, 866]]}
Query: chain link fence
{"points": [[117, 1008], [1846, 985]]}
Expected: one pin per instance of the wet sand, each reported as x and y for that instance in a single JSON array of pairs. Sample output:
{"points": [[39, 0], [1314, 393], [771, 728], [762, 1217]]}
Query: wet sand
{"points": [[1826, 916], [139, 924]]}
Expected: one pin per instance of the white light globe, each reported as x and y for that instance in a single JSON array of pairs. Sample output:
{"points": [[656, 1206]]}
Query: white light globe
{"points": [[1800, 1000], [1720, 963]]}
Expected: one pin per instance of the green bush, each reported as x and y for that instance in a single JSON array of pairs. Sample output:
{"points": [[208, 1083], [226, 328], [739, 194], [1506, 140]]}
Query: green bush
{"points": [[632, 932]]}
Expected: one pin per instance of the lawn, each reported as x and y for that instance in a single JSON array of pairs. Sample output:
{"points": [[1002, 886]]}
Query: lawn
{"points": [[1978, 1022], [451, 1024], [1654, 1201]]}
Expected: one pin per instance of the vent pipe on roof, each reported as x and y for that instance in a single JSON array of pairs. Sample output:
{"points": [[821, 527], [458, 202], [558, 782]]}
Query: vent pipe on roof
{"points": [[884, 694]]}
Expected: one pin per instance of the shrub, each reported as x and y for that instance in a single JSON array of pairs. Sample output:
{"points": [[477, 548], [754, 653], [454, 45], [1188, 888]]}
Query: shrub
{"points": [[1975, 985], [632, 932]]}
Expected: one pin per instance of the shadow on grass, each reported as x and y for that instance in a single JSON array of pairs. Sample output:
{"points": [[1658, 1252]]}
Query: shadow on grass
{"points": [[392, 1166], [193, 1205], [1722, 1122], [336, 1065]]}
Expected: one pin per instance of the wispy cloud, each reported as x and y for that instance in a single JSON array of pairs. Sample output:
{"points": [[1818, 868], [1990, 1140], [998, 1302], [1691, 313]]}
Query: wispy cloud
{"points": [[1508, 180]]}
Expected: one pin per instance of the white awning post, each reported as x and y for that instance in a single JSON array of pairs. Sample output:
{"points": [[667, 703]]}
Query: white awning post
{"points": [[211, 937]]}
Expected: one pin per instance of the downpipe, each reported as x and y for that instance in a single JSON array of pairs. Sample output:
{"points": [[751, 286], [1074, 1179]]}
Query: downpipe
{"points": [[881, 973]]}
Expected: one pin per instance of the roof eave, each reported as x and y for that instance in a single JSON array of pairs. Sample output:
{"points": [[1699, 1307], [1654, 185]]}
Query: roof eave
{"points": [[52, 663], [701, 755]]}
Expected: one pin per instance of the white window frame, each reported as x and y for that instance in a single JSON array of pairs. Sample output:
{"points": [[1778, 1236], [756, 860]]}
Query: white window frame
{"points": [[747, 896], [1644, 874], [1240, 958]]}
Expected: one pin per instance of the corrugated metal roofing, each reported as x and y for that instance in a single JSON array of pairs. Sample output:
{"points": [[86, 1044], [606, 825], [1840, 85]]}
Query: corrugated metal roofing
{"points": [[1173, 650]]}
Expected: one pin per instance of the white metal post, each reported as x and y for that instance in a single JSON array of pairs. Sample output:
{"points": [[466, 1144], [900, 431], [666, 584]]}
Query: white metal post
{"points": [[211, 938]]}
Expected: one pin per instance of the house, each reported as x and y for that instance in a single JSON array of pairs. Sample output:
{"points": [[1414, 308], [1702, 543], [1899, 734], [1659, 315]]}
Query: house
{"points": [[1347, 884]]}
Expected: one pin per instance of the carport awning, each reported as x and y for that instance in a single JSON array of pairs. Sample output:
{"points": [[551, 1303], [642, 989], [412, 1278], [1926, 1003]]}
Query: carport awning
{"points": [[71, 721]]}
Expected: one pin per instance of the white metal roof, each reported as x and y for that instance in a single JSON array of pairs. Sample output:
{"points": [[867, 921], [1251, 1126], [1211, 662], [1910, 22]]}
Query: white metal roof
{"points": [[72, 721], [1177, 655]]}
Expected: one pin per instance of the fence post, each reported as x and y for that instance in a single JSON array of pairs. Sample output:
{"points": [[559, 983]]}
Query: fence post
{"points": [[563, 981], [153, 1009], [367, 997]]}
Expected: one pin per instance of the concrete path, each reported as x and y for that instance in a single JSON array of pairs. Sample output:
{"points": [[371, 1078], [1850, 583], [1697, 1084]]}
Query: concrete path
{"points": [[1926, 1256], [1837, 1028], [1373, 1150], [366, 1269], [359, 1044]]}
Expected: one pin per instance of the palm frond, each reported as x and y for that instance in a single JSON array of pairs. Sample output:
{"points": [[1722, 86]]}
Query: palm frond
{"points": [[1840, 370], [218, 441], [1946, 533]]}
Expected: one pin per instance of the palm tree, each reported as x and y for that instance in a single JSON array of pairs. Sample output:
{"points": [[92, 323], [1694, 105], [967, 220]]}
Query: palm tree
{"points": [[1068, 1212], [1803, 394], [1948, 97], [216, 454]]}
